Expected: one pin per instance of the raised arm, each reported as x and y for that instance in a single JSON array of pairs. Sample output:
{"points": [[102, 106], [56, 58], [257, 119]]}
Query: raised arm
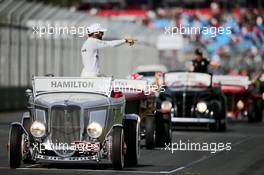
{"points": [[113, 43], [214, 64]]}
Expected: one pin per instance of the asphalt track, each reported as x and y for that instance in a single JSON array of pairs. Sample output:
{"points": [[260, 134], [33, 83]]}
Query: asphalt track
{"points": [[246, 156]]}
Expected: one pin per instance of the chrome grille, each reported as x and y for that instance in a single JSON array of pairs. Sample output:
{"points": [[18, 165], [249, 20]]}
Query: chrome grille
{"points": [[65, 128], [184, 103]]}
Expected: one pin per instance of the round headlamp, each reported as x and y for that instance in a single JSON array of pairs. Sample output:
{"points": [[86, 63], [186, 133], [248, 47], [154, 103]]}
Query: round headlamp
{"points": [[37, 129], [201, 107], [166, 105], [240, 104], [94, 130]]}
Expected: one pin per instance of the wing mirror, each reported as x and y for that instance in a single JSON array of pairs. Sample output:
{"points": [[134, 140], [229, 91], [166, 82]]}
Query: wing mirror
{"points": [[28, 92]]}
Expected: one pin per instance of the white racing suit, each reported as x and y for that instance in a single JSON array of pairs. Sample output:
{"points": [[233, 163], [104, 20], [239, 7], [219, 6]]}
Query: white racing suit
{"points": [[90, 55]]}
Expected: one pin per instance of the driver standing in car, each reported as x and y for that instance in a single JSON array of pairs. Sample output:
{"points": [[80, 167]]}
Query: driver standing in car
{"points": [[90, 49], [200, 64]]}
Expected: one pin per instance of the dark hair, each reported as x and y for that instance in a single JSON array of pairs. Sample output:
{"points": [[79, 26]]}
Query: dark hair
{"points": [[198, 52]]}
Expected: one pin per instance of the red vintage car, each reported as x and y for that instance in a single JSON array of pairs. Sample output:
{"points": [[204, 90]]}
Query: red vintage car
{"points": [[242, 100], [141, 100]]}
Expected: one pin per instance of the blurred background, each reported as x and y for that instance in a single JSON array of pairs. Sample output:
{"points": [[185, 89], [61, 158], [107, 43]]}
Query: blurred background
{"points": [[24, 54]]}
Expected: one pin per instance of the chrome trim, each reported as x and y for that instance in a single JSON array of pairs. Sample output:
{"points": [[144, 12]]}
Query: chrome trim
{"points": [[54, 158], [192, 120], [183, 103]]}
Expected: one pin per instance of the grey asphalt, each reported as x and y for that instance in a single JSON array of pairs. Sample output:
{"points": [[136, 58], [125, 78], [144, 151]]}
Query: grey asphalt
{"points": [[246, 156]]}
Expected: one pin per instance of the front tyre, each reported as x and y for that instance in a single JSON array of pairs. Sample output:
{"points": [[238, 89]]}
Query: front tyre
{"points": [[163, 130], [220, 122], [132, 140], [150, 132], [118, 148], [258, 108], [251, 113], [15, 149]]}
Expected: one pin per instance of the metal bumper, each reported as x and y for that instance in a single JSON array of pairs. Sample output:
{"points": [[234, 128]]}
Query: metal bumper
{"points": [[192, 120], [68, 159]]}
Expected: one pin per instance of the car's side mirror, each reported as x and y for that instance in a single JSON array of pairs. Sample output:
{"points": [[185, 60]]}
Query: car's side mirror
{"points": [[28, 92], [49, 75]]}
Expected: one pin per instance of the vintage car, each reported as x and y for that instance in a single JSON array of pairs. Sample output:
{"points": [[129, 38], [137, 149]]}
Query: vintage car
{"points": [[242, 100], [141, 100], [190, 99], [75, 119]]}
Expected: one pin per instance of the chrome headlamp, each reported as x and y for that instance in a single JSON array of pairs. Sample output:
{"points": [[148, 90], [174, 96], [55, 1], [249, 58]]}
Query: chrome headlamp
{"points": [[94, 130], [201, 107], [38, 129], [166, 105], [240, 104]]}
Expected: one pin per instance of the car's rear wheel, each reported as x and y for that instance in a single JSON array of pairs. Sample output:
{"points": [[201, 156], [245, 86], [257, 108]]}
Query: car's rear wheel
{"points": [[132, 140], [15, 146], [150, 132], [118, 148]]}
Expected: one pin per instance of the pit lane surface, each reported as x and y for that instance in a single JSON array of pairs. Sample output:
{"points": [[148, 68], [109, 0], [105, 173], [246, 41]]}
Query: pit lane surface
{"points": [[246, 156]]}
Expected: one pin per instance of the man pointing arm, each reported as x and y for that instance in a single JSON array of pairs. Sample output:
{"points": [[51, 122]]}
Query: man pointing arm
{"points": [[91, 46]]}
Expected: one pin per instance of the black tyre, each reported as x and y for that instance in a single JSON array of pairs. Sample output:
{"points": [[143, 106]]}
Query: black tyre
{"points": [[258, 108], [150, 132], [251, 113], [163, 131], [167, 131], [132, 140], [218, 126], [118, 148], [15, 152], [220, 113]]}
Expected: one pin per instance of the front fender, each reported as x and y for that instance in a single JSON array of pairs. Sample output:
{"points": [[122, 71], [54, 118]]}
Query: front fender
{"points": [[20, 125]]}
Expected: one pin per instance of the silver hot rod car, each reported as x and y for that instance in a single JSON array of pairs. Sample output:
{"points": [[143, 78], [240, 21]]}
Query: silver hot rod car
{"points": [[75, 119]]}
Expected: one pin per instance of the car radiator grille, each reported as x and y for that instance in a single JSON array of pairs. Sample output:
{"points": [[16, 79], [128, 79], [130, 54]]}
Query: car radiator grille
{"points": [[184, 104], [65, 128]]}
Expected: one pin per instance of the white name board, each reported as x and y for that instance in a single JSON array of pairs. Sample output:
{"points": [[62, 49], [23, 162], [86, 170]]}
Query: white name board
{"points": [[187, 79], [125, 84], [72, 84], [232, 80]]}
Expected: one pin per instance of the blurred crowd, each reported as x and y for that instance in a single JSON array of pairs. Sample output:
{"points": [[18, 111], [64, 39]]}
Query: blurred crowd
{"points": [[241, 52]]}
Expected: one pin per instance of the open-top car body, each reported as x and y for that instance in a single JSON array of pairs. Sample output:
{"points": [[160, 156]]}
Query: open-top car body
{"points": [[242, 101], [140, 100], [190, 99], [75, 119]]}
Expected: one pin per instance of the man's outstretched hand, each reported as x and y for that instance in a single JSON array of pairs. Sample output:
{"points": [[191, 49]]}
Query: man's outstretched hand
{"points": [[130, 41]]}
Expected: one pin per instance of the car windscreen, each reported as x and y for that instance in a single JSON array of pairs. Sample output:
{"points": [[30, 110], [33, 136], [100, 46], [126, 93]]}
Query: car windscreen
{"points": [[178, 79]]}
